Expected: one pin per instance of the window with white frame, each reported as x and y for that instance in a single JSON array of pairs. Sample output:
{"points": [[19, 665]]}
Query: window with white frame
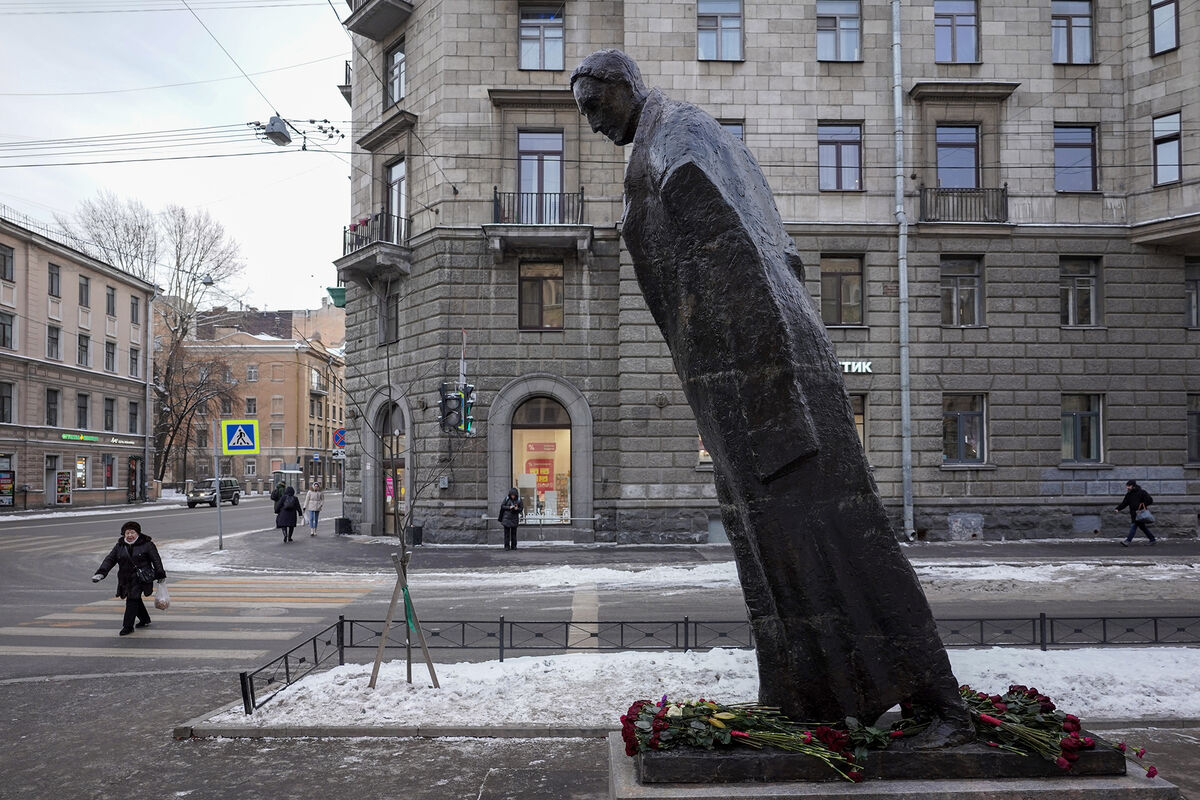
{"points": [[962, 291], [110, 356], [6, 402], [54, 280], [135, 311], [1071, 31], [7, 263], [1079, 287], [110, 301], [83, 350], [541, 37], [85, 292], [251, 373], [54, 342], [1081, 428], [394, 69], [249, 467], [839, 30], [719, 30], [135, 362], [251, 406], [1167, 151], [962, 428], [956, 31], [7, 330], [1164, 26]]}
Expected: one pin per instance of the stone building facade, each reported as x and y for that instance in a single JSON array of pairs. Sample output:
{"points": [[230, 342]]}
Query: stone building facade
{"points": [[75, 403], [1037, 302]]}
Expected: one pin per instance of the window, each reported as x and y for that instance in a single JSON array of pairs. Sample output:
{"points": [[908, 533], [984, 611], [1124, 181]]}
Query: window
{"points": [[226, 407], [1078, 285], [858, 404], [1166, 149], [135, 359], [310, 436], [110, 301], [719, 30], [81, 472], [1074, 159], [1193, 428], [6, 402], [958, 156], [839, 157], [81, 410], [83, 354], [1081, 427], [276, 436], [1191, 271], [53, 342], [735, 128], [391, 315], [955, 31], [7, 321], [962, 291], [110, 356], [841, 290], [110, 414], [227, 373], [53, 398], [541, 297], [394, 69], [7, 269], [397, 202], [133, 417], [962, 429], [251, 373], [839, 30], [541, 458], [1071, 31], [135, 311], [251, 406], [202, 440], [110, 470], [250, 467], [54, 283], [1164, 26], [541, 38], [540, 177], [85, 292]]}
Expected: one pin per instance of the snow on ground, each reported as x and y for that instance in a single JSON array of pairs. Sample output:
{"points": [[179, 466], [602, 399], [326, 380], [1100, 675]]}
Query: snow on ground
{"points": [[593, 690]]}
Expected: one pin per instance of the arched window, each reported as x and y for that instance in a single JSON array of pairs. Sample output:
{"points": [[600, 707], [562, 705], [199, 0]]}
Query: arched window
{"points": [[541, 459], [394, 442]]}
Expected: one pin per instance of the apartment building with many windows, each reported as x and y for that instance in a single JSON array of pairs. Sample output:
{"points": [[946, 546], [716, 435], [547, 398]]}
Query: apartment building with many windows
{"points": [[74, 385], [1036, 306]]}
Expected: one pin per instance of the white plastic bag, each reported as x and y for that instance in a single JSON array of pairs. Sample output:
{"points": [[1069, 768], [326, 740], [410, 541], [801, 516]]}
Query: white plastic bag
{"points": [[162, 598]]}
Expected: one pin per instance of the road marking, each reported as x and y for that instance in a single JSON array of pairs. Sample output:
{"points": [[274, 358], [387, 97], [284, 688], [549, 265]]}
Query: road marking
{"points": [[132, 652], [116, 613], [157, 632], [585, 605]]}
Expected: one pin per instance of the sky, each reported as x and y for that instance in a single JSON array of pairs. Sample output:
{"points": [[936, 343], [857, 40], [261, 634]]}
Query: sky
{"points": [[88, 68]]}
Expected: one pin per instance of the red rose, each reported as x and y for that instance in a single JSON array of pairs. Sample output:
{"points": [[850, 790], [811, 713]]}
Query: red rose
{"points": [[1141, 751], [1069, 743], [857, 777], [992, 744], [1062, 763], [1121, 746], [1000, 707], [1150, 773], [989, 720], [739, 734], [1089, 742], [1071, 724], [896, 734]]}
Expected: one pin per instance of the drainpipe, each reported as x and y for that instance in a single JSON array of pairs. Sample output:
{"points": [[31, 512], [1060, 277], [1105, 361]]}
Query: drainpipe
{"points": [[148, 376], [902, 269]]}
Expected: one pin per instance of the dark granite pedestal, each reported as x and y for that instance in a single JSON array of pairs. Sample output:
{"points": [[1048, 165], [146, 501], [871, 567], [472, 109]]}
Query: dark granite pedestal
{"points": [[979, 773]]}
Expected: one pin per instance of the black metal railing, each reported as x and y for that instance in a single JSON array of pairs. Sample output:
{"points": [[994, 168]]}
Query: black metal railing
{"points": [[506, 637], [964, 205], [375, 228], [537, 208]]}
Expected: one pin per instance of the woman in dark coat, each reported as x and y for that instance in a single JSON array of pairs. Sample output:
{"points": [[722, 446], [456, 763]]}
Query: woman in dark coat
{"points": [[510, 517], [287, 512], [136, 559]]}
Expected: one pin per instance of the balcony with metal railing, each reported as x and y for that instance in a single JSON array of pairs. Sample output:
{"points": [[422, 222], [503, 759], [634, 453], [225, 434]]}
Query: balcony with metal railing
{"points": [[375, 247], [377, 19], [538, 221], [346, 87], [939, 204]]}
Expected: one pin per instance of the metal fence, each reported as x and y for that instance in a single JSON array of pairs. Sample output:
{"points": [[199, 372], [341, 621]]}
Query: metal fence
{"points": [[537, 208], [512, 637], [964, 205]]}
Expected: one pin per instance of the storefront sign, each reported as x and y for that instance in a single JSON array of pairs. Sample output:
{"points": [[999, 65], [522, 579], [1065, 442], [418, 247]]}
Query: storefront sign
{"points": [[856, 366], [541, 447], [115, 440], [543, 469], [79, 437], [8, 487], [62, 487]]}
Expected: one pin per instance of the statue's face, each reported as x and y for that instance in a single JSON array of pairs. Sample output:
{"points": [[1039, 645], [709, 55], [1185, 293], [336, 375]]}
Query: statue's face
{"points": [[609, 108]]}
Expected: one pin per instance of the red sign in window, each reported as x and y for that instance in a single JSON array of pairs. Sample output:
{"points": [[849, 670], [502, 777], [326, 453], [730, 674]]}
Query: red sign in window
{"points": [[543, 468]]}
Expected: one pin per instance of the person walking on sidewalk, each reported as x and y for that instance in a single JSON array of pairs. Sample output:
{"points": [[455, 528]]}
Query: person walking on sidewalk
{"points": [[287, 511], [314, 499], [510, 517], [138, 567], [1136, 498]]}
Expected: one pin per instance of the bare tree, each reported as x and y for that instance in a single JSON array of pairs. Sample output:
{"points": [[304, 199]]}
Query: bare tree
{"points": [[123, 233]]}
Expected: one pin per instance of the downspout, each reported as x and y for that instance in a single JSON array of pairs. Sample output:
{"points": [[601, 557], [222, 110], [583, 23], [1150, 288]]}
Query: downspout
{"points": [[148, 375], [902, 270]]}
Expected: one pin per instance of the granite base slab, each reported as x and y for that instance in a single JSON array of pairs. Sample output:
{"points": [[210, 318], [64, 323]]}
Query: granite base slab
{"points": [[624, 785]]}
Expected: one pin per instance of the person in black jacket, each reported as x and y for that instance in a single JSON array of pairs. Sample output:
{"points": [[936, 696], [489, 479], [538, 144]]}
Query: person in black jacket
{"points": [[287, 512], [138, 566], [1136, 498], [511, 509]]}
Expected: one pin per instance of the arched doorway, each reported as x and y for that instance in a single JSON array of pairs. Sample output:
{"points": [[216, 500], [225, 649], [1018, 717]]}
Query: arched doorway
{"points": [[541, 459], [392, 491]]}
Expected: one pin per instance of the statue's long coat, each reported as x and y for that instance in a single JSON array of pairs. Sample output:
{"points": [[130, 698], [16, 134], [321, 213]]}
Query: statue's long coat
{"points": [[841, 625]]}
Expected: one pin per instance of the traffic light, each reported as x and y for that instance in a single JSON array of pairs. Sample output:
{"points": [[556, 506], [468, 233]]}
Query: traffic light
{"points": [[467, 424], [449, 409]]}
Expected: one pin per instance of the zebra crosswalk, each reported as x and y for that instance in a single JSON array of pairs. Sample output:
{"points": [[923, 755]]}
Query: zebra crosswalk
{"points": [[235, 617]]}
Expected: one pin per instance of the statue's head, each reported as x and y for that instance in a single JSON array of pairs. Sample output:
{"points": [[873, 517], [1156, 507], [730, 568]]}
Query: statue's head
{"points": [[609, 91]]}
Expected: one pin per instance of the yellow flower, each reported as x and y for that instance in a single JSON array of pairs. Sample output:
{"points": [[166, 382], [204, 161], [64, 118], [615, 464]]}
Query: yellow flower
{"points": [[716, 723]]}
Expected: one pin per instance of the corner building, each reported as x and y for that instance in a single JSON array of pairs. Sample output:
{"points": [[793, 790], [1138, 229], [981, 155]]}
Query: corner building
{"points": [[1049, 303]]}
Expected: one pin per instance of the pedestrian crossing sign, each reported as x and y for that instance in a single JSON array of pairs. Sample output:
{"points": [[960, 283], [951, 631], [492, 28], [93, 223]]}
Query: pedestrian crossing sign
{"points": [[239, 437]]}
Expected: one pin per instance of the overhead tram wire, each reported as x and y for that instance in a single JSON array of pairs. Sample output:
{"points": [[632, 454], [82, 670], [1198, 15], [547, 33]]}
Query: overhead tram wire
{"points": [[51, 8]]}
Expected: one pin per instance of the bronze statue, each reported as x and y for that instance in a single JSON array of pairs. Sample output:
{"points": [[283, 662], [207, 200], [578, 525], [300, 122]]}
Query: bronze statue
{"points": [[841, 625]]}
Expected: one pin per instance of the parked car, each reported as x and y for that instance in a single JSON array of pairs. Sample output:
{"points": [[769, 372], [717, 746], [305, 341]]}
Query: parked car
{"points": [[205, 491]]}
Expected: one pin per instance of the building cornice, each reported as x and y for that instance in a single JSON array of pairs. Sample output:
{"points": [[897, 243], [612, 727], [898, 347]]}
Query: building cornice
{"points": [[397, 124], [962, 90], [532, 98]]}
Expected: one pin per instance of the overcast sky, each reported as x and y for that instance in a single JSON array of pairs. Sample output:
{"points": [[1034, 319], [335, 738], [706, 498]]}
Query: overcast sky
{"points": [[89, 68]]}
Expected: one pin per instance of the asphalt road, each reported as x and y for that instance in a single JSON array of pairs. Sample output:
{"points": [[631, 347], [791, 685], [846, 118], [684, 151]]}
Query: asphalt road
{"points": [[88, 715]]}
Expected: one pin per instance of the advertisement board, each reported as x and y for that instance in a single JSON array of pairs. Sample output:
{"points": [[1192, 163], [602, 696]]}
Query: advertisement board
{"points": [[62, 487], [8, 488]]}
